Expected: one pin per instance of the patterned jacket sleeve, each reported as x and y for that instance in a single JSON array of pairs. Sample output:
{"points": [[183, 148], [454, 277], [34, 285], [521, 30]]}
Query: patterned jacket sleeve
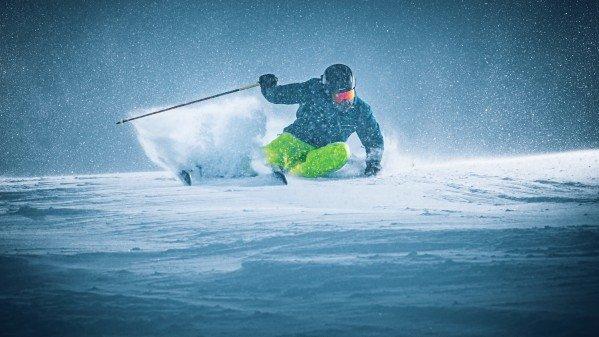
{"points": [[370, 135], [294, 93]]}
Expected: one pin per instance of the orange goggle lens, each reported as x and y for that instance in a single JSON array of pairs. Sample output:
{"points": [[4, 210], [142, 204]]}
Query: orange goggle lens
{"points": [[344, 96]]}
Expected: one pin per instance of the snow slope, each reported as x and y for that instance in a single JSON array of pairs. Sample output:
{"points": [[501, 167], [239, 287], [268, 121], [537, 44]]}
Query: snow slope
{"points": [[490, 247]]}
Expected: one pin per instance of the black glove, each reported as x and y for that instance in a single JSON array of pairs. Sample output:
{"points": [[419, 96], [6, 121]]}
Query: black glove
{"points": [[267, 81], [372, 168]]}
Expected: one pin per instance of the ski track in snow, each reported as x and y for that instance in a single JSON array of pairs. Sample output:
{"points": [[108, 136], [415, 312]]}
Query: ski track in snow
{"points": [[491, 247]]}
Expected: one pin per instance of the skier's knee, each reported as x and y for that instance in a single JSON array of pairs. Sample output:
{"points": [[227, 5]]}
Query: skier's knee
{"points": [[342, 150]]}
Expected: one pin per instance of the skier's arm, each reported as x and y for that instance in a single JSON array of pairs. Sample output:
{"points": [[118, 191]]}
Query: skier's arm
{"points": [[370, 135], [283, 94]]}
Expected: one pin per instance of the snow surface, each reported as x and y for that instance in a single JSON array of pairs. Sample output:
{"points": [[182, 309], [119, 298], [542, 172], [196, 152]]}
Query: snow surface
{"points": [[492, 247]]}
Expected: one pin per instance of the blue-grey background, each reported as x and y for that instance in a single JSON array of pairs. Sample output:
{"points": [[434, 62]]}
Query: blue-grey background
{"points": [[453, 79]]}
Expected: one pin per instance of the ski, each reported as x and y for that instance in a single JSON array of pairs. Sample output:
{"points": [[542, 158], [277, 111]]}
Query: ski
{"points": [[278, 174], [184, 176]]}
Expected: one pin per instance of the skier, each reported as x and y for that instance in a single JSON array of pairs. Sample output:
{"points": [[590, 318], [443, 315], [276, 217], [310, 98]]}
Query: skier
{"points": [[329, 112]]}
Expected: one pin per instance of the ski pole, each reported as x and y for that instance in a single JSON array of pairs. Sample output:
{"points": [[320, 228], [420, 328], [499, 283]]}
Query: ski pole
{"points": [[188, 103]]}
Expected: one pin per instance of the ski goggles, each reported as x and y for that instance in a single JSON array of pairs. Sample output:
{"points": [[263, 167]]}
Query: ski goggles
{"points": [[344, 96]]}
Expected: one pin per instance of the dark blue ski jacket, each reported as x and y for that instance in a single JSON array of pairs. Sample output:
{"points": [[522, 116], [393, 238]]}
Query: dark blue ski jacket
{"points": [[320, 123]]}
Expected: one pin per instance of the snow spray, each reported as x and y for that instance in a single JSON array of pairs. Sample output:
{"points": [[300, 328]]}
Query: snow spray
{"points": [[219, 139]]}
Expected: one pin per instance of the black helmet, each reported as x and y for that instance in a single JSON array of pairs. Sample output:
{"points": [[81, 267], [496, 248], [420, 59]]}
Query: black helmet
{"points": [[337, 78]]}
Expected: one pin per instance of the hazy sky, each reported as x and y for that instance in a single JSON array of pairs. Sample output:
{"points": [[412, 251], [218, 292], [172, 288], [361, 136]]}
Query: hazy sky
{"points": [[457, 79]]}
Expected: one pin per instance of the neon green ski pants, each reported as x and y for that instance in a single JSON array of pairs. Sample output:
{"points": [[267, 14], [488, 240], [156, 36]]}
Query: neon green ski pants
{"points": [[303, 159]]}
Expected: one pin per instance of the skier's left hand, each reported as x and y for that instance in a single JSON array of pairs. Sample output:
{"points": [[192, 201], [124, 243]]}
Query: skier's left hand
{"points": [[267, 81], [372, 168]]}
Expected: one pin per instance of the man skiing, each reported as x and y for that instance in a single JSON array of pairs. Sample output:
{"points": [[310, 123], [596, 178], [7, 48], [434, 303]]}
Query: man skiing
{"points": [[329, 112]]}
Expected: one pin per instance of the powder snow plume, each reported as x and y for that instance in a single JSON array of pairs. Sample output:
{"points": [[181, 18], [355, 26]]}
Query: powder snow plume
{"points": [[222, 137]]}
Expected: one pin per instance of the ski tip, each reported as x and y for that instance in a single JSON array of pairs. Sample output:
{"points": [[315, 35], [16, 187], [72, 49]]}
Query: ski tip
{"points": [[280, 176], [184, 177]]}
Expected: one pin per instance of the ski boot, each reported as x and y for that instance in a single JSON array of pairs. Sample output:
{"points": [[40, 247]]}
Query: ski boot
{"points": [[279, 174]]}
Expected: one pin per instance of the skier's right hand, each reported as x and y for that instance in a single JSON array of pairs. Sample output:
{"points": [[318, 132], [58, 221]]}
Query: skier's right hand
{"points": [[372, 168], [267, 81]]}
